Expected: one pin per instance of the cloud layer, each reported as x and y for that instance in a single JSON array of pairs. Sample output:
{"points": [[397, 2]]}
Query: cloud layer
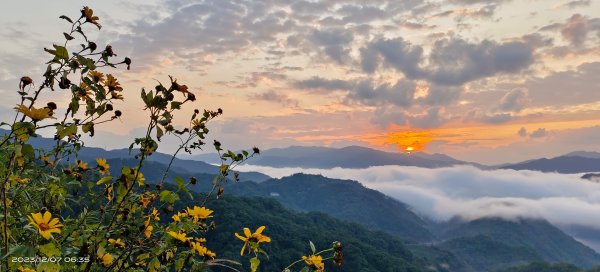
{"points": [[472, 193]]}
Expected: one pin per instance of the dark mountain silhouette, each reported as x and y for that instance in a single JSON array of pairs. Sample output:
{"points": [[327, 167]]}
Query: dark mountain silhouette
{"points": [[184, 167], [346, 157], [567, 164]]}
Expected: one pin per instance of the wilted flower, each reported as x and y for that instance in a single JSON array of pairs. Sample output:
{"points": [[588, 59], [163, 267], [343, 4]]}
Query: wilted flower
{"points": [[25, 81], [88, 14]]}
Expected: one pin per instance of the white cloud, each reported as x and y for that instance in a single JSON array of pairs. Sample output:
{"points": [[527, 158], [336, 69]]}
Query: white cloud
{"points": [[472, 193]]}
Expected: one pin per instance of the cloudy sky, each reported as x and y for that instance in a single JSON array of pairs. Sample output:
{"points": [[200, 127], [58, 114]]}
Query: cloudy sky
{"points": [[487, 81]]}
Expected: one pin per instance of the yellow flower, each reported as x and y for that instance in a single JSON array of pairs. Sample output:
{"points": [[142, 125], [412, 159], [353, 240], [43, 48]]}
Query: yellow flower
{"points": [[113, 84], [115, 95], [103, 166], [45, 223], [47, 161], [145, 200], [199, 213], [315, 262], [17, 179], [25, 269], [154, 215], [84, 93], [202, 250], [108, 192], [179, 236], [117, 242], [196, 122], [81, 165], [35, 114], [106, 259], [140, 177], [96, 76], [177, 217], [256, 237], [148, 229]]}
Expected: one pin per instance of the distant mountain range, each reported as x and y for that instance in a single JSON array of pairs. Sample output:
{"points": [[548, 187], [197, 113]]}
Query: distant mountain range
{"points": [[346, 157], [181, 166], [571, 163]]}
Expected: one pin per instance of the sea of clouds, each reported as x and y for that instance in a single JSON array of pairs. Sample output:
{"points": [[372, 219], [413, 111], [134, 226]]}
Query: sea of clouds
{"points": [[472, 193]]}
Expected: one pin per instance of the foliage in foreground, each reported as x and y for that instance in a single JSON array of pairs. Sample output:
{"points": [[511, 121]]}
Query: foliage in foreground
{"points": [[89, 216]]}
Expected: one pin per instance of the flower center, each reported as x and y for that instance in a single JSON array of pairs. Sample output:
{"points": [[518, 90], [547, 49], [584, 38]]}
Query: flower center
{"points": [[43, 226]]}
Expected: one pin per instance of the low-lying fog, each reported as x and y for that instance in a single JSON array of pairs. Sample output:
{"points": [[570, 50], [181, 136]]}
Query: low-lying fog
{"points": [[472, 193]]}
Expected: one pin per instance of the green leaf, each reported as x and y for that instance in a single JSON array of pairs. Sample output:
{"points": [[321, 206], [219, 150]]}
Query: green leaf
{"points": [[89, 63], [154, 265], [49, 249], [66, 18], [176, 105], [168, 196], [61, 52], [179, 263], [181, 184], [66, 131], [159, 133], [48, 267], [121, 191], [27, 151], [67, 36], [23, 130], [74, 106], [254, 263], [104, 180], [87, 127], [22, 251], [312, 247]]}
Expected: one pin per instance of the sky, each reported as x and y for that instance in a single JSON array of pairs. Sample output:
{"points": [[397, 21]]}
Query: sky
{"points": [[486, 81]]}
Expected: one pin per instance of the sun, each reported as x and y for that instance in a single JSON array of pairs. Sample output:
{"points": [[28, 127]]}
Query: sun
{"points": [[409, 149]]}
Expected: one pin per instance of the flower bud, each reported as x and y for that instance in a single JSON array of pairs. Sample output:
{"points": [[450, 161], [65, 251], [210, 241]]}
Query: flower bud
{"points": [[92, 46], [51, 105], [109, 51], [128, 62]]}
